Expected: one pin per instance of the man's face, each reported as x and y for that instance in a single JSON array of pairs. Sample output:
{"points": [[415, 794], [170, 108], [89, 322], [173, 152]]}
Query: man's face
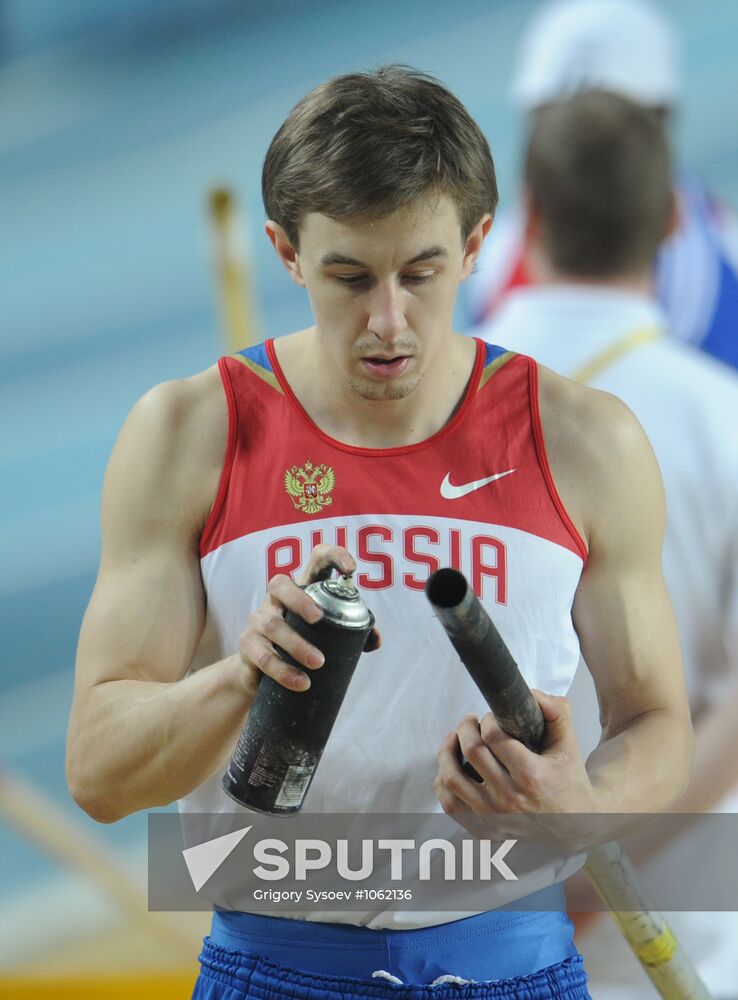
{"points": [[383, 293]]}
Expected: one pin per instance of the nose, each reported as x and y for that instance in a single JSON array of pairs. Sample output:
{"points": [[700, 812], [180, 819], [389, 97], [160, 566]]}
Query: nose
{"points": [[386, 310]]}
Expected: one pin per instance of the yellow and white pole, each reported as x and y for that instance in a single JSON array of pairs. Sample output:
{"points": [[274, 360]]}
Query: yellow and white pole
{"points": [[235, 291], [645, 929]]}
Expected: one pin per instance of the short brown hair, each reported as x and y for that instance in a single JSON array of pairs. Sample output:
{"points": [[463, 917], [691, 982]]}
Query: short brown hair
{"points": [[367, 144], [598, 170]]}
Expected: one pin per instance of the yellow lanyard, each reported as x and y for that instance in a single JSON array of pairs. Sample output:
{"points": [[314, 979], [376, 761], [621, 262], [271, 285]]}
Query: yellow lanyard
{"points": [[630, 342]]}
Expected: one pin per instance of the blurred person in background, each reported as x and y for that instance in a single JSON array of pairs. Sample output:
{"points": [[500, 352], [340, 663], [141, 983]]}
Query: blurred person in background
{"points": [[627, 47], [597, 203]]}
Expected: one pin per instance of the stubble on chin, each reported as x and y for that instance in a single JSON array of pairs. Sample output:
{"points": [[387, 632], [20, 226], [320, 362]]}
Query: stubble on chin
{"points": [[383, 392]]}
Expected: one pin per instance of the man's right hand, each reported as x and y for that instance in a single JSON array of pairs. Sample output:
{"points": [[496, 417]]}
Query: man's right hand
{"points": [[267, 628]]}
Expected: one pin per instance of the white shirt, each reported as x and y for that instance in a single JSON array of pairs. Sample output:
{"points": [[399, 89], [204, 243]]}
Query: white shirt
{"points": [[688, 405], [695, 270]]}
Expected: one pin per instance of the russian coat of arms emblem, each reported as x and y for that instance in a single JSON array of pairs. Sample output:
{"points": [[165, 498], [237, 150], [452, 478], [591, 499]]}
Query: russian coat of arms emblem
{"points": [[309, 486]]}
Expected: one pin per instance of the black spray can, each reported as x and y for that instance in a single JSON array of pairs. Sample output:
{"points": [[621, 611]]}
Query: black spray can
{"points": [[286, 731]]}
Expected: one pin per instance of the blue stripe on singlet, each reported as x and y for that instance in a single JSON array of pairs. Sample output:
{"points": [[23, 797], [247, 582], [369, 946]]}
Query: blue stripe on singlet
{"points": [[257, 354], [492, 352]]}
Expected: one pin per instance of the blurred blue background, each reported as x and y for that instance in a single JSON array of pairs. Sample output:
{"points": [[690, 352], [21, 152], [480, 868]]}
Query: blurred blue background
{"points": [[115, 120]]}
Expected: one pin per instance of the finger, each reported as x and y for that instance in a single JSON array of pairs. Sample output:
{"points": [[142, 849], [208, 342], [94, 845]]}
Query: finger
{"points": [[478, 753], [373, 642], [284, 594], [511, 754], [557, 713], [257, 653], [450, 804], [454, 781], [257, 642], [324, 559]]}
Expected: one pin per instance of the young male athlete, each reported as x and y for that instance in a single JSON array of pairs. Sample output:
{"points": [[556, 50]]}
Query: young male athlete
{"points": [[414, 448]]}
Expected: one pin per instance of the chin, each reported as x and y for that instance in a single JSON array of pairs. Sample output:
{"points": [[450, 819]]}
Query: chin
{"points": [[383, 391]]}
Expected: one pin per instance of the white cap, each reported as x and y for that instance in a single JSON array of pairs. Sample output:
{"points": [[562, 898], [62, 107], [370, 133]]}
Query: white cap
{"points": [[627, 47]]}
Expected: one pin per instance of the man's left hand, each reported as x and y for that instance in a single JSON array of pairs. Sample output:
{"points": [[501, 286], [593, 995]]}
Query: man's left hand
{"points": [[514, 778]]}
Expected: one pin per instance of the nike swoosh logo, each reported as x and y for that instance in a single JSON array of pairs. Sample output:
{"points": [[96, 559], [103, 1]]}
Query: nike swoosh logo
{"points": [[451, 492]]}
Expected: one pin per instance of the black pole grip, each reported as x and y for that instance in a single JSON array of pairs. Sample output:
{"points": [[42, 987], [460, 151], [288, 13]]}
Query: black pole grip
{"points": [[485, 655]]}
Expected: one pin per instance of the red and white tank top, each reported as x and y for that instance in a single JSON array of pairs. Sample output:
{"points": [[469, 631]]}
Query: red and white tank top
{"points": [[478, 496]]}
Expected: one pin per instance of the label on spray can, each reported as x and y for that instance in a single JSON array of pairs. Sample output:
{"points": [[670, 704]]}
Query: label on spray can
{"points": [[286, 731], [294, 786]]}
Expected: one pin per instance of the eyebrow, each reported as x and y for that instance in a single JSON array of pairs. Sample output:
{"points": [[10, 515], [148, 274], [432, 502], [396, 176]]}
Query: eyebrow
{"points": [[338, 258]]}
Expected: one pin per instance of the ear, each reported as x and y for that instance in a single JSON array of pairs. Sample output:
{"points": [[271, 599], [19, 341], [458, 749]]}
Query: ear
{"points": [[285, 251], [674, 215], [473, 245]]}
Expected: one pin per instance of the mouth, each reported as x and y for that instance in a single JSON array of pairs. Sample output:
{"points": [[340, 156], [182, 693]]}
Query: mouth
{"points": [[382, 367]]}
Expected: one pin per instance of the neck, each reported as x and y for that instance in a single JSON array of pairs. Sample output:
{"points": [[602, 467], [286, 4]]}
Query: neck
{"points": [[342, 413], [542, 271]]}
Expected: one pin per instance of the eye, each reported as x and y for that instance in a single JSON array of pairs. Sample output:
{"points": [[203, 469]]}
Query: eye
{"points": [[352, 280], [419, 279]]}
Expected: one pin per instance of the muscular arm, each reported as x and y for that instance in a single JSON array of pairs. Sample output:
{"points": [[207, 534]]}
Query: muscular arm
{"points": [[141, 733], [610, 482]]}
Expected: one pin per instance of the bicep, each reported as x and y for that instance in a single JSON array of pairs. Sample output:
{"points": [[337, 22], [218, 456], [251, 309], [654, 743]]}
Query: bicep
{"points": [[146, 613], [622, 610], [144, 619]]}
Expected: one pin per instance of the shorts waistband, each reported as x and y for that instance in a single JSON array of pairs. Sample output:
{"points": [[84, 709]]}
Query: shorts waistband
{"points": [[232, 928], [265, 980]]}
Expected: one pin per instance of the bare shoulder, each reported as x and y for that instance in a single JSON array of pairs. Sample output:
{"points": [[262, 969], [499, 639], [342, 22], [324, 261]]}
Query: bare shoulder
{"points": [[170, 451], [187, 412], [599, 454]]}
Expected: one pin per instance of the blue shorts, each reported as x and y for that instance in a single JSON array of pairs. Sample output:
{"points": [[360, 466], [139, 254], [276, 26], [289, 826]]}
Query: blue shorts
{"points": [[500, 955]]}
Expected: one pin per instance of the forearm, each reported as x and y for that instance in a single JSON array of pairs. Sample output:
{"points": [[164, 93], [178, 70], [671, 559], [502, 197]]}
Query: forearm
{"points": [[137, 744], [715, 773], [643, 767], [715, 770]]}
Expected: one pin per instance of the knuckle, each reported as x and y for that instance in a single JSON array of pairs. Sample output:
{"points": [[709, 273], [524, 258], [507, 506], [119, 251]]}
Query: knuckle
{"points": [[489, 729], [475, 750], [271, 625], [276, 583], [493, 736], [284, 675], [263, 660], [455, 783], [565, 704]]}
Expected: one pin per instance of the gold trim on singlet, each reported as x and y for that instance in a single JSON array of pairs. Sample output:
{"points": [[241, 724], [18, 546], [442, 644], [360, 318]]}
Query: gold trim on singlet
{"points": [[613, 352], [263, 373], [493, 367]]}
